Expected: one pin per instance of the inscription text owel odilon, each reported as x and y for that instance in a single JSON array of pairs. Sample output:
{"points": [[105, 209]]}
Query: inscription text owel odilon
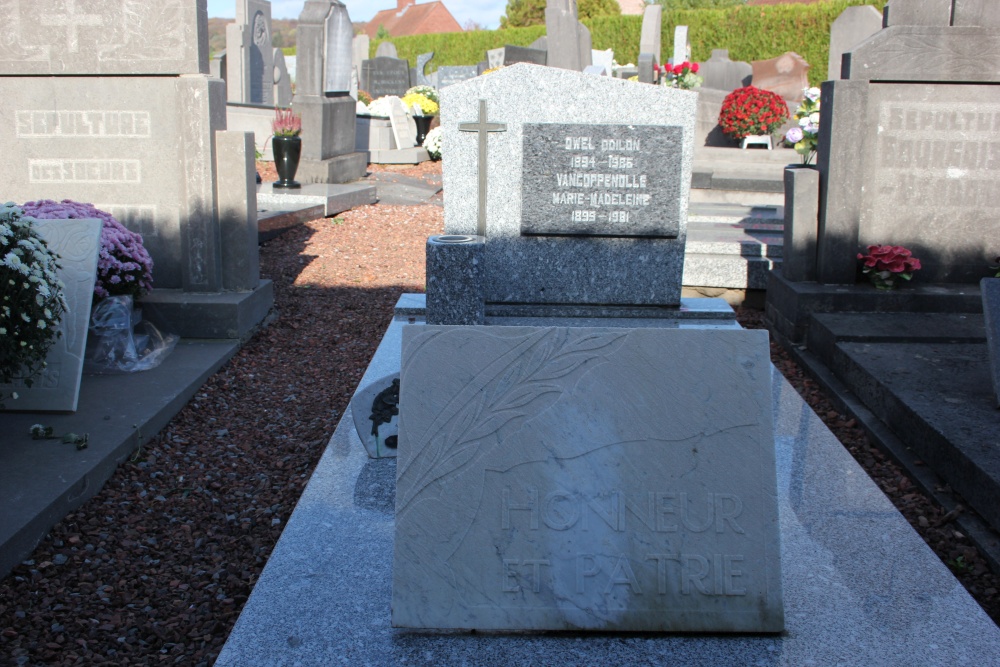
{"points": [[600, 180], [586, 478]]}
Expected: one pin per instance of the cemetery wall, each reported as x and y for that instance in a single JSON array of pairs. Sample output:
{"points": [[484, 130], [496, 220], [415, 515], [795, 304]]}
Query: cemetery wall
{"points": [[750, 33]]}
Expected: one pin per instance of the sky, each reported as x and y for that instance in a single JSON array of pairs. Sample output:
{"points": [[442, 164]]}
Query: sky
{"points": [[486, 13]]}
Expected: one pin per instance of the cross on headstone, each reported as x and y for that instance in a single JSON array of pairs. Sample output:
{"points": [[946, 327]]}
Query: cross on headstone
{"points": [[482, 126], [72, 21]]}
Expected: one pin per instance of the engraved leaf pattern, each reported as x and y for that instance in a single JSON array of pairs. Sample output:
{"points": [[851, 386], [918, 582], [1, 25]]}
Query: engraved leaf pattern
{"points": [[510, 389]]}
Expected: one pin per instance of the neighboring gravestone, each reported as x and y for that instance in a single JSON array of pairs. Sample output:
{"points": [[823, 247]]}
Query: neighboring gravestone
{"points": [[853, 26], [568, 39], [452, 74], [591, 171], [920, 12], [386, 50], [520, 54], [646, 69], [786, 75], [603, 59], [682, 46], [421, 70], [990, 288], [129, 119], [324, 38], [78, 244], [360, 50], [385, 76], [652, 27], [250, 54], [495, 57], [539, 488], [721, 73], [908, 152], [282, 81]]}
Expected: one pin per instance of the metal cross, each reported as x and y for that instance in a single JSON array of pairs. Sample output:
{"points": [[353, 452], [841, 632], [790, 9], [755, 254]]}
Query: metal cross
{"points": [[483, 128]]}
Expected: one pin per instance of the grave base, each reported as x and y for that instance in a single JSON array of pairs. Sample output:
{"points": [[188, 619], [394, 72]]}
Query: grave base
{"points": [[843, 546], [340, 169], [232, 315], [414, 155]]}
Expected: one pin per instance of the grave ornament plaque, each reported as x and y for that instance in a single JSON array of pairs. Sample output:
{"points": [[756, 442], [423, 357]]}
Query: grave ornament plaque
{"points": [[600, 180]]}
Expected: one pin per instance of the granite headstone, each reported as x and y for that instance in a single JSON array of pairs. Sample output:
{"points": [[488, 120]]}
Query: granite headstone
{"points": [[721, 73], [682, 45], [520, 54], [449, 75], [360, 50], [382, 76], [650, 37], [786, 75], [421, 70], [540, 488], [603, 59], [386, 50], [78, 244], [250, 55], [282, 81], [853, 26], [495, 57], [647, 72], [569, 41], [621, 267]]}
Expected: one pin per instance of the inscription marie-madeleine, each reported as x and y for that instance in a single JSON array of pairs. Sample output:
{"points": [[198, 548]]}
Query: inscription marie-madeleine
{"points": [[601, 180]]}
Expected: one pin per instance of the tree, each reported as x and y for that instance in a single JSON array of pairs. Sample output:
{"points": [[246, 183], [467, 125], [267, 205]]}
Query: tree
{"points": [[381, 33], [470, 26], [522, 13], [673, 5]]}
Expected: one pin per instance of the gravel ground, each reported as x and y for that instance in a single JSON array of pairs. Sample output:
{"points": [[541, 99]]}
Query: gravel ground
{"points": [[156, 568]]}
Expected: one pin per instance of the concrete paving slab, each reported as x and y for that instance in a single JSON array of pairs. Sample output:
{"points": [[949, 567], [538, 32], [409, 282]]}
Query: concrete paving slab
{"points": [[399, 190], [860, 586], [43, 480]]}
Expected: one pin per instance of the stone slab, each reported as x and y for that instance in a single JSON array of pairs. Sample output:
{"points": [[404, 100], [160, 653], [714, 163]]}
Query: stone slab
{"points": [[990, 288], [842, 543], [635, 271], [231, 315], [340, 169], [721, 73], [57, 388], [520, 54], [401, 131], [568, 41], [585, 506], [570, 170], [107, 37], [916, 53], [449, 75], [801, 223], [682, 45], [331, 198], [338, 53], [383, 76], [920, 12], [413, 155], [42, 481], [983, 13], [139, 148], [853, 26], [237, 210]]}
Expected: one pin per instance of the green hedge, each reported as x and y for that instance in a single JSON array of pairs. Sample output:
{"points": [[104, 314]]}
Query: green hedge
{"points": [[750, 33]]}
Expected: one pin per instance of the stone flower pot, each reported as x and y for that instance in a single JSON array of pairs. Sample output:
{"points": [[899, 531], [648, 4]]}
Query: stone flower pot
{"points": [[287, 151]]}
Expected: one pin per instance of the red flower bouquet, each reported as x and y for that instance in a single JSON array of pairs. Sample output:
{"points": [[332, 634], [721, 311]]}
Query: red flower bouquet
{"points": [[752, 111], [885, 263]]}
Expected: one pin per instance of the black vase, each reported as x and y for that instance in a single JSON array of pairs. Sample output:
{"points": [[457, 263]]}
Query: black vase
{"points": [[286, 160], [423, 127]]}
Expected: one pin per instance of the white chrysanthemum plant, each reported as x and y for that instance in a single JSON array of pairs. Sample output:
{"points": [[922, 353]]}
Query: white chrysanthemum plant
{"points": [[32, 301], [805, 137], [432, 143], [381, 107]]}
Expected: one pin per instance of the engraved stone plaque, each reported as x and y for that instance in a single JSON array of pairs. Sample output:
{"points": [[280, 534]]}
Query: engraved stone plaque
{"points": [[601, 180], [586, 479], [385, 76], [57, 389]]}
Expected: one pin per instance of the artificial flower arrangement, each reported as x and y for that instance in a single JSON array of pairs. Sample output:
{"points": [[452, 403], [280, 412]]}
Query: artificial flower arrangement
{"points": [[751, 111], [885, 263], [32, 302], [124, 267], [805, 137], [432, 143], [430, 92], [381, 107], [416, 102], [683, 76], [286, 123]]}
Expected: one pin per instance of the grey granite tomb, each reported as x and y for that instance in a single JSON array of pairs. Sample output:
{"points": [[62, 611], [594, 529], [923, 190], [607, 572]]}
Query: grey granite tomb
{"points": [[853, 26], [571, 267], [57, 388], [250, 54], [129, 119], [652, 27], [556, 479], [324, 38]]}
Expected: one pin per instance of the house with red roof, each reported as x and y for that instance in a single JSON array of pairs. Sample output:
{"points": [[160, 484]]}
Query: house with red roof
{"points": [[409, 18]]}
